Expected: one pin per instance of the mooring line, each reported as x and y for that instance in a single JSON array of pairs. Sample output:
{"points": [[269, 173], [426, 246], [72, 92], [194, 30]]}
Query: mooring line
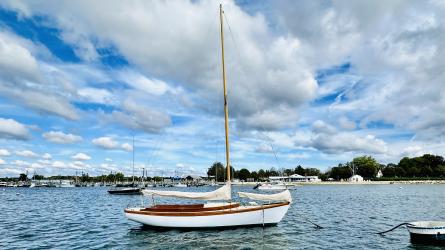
{"points": [[402, 224], [313, 223]]}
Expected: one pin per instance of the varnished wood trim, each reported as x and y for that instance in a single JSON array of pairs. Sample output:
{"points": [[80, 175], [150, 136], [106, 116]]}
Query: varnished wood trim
{"points": [[208, 213], [188, 208]]}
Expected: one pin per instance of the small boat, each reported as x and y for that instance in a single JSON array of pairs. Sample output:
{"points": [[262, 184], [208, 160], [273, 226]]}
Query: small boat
{"points": [[126, 191], [427, 232], [181, 185], [274, 186]]}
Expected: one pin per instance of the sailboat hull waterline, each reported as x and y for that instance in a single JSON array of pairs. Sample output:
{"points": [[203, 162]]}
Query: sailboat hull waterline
{"points": [[258, 215]]}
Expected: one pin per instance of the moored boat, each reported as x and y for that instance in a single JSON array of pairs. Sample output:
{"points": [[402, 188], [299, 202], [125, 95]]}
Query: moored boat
{"points": [[427, 232], [213, 215]]}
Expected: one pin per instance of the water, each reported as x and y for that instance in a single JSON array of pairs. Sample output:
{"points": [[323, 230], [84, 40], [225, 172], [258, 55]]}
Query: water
{"points": [[79, 218]]}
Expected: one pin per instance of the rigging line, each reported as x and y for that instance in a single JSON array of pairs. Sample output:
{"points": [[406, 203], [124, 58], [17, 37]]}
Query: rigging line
{"points": [[244, 73]]}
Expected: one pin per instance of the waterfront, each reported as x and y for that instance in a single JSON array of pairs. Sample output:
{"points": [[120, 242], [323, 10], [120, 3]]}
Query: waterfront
{"points": [[77, 218]]}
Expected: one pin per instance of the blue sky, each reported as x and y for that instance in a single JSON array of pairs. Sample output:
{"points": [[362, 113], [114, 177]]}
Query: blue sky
{"points": [[318, 82]]}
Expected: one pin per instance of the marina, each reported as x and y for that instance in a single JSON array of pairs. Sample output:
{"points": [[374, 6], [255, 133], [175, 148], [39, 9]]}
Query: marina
{"points": [[115, 130], [350, 215]]}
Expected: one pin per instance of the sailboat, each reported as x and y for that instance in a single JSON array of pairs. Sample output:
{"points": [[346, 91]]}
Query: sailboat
{"points": [[213, 215], [128, 190]]}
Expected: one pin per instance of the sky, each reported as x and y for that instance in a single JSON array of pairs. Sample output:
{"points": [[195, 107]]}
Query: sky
{"points": [[311, 83]]}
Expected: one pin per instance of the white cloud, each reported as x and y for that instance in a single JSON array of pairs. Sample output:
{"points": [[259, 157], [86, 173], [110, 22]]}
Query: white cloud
{"points": [[327, 139], [345, 123], [26, 153], [81, 157], [141, 117], [105, 142], [79, 165], [20, 163], [141, 82], [61, 138], [23, 78], [4, 152], [47, 156], [264, 148], [271, 72], [412, 151], [96, 95], [59, 164], [11, 129], [2, 162], [127, 147]]}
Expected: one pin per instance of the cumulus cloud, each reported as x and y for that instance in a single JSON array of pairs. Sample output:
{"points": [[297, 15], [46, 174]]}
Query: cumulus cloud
{"points": [[264, 148], [22, 78], [140, 117], [327, 139], [11, 129], [127, 147], [4, 152], [59, 164], [105, 142], [110, 143], [20, 163], [2, 162], [47, 156], [61, 138], [26, 153], [270, 69], [412, 151], [81, 157]]}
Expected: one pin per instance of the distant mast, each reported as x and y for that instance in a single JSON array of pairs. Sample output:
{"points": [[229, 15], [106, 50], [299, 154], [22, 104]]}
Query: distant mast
{"points": [[226, 108], [133, 160]]}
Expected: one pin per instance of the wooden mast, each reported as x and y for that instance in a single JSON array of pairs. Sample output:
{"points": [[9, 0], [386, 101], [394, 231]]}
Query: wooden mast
{"points": [[226, 108]]}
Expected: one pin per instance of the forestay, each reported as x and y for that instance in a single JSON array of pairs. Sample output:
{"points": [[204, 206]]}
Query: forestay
{"points": [[283, 196], [223, 193]]}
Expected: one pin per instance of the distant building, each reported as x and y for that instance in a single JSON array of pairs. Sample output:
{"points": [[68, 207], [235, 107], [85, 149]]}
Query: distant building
{"points": [[355, 178], [295, 178], [379, 174]]}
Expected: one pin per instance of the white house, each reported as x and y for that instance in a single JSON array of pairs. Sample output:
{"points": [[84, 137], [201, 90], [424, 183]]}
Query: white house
{"points": [[379, 174], [295, 178], [355, 178]]}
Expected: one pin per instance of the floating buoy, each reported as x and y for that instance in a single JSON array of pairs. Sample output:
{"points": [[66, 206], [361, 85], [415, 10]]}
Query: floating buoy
{"points": [[427, 232]]}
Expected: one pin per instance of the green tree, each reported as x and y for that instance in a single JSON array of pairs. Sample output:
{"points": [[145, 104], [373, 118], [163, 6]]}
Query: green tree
{"points": [[312, 172], [262, 174], [366, 166], [243, 174], [254, 175], [340, 172], [299, 170], [119, 177], [218, 170], [23, 177]]}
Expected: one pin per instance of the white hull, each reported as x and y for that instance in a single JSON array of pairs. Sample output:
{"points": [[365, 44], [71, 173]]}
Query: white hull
{"points": [[268, 187], [265, 216], [427, 227]]}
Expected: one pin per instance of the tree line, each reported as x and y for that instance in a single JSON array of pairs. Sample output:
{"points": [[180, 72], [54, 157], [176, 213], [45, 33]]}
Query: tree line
{"points": [[425, 166]]}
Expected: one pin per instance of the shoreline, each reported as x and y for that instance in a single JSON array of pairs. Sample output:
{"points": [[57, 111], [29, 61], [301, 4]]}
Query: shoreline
{"points": [[349, 183]]}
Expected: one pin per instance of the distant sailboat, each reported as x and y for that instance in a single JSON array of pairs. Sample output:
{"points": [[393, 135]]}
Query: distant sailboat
{"points": [[213, 215], [132, 190]]}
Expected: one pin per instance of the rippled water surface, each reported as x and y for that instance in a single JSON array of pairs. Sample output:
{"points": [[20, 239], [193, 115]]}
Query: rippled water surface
{"points": [[79, 218]]}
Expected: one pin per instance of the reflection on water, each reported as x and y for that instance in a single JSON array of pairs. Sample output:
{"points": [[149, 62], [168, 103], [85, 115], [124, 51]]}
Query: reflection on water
{"points": [[76, 218]]}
